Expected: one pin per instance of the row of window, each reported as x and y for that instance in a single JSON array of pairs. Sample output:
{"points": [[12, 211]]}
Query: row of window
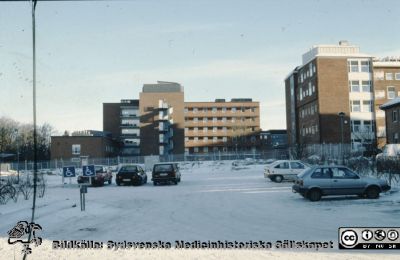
{"points": [[306, 91], [309, 110], [222, 109], [215, 139], [362, 126], [395, 116], [309, 130], [307, 72], [358, 66], [380, 75], [220, 119], [215, 129], [391, 93], [361, 106], [360, 86]]}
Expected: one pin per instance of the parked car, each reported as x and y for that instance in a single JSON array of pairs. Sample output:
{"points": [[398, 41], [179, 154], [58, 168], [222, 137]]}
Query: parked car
{"points": [[284, 170], [103, 174], [166, 173], [131, 174], [321, 181]]}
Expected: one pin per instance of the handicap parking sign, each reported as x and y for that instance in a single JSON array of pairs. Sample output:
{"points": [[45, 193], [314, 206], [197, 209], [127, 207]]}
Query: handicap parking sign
{"points": [[69, 171], [88, 171]]}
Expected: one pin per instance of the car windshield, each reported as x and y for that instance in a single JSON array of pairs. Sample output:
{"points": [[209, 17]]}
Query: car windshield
{"points": [[163, 167], [130, 168]]}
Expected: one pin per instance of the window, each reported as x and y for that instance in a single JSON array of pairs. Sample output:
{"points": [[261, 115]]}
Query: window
{"points": [[215, 139], [215, 120], [283, 165], [205, 120], [233, 119], [353, 66], [224, 139], [214, 110], [391, 93], [233, 109], [195, 110], [367, 106], [196, 149], [214, 129], [224, 128], [367, 126], [396, 138], [205, 139], [186, 139], [186, 129], [300, 93], [355, 106], [394, 116], [322, 173], [389, 76], [196, 129], [379, 75], [354, 86], [365, 66], [196, 139], [343, 173], [76, 149], [205, 149], [309, 89], [186, 110], [224, 119], [195, 119], [204, 110], [397, 76], [296, 165], [205, 129], [356, 124], [366, 86], [223, 109]]}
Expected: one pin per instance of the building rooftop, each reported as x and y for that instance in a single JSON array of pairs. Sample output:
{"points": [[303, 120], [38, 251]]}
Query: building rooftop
{"points": [[391, 103], [387, 62], [343, 49], [163, 87]]}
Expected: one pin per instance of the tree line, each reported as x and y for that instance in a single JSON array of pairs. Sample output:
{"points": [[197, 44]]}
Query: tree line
{"points": [[16, 137]]}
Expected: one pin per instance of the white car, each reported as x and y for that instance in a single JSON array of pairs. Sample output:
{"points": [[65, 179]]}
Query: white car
{"points": [[284, 170]]}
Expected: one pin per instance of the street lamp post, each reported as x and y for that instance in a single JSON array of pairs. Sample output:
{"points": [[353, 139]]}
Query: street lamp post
{"points": [[341, 115]]}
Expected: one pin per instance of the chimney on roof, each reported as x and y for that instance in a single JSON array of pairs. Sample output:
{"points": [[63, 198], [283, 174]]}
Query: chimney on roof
{"points": [[344, 43]]}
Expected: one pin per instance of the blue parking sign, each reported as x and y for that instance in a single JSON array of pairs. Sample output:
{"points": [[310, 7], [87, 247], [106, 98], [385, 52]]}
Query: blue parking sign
{"points": [[69, 171], [88, 171]]}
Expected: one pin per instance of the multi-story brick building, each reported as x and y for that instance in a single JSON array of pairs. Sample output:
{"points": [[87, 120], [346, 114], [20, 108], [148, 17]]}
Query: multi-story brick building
{"points": [[330, 97], [162, 119], [222, 126], [387, 88], [122, 121], [392, 118]]}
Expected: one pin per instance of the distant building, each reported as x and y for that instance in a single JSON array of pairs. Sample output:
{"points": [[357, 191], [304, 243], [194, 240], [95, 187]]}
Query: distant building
{"points": [[222, 126], [83, 144], [392, 111], [274, 139], [387, 87], [162, 119], [122, 120]]}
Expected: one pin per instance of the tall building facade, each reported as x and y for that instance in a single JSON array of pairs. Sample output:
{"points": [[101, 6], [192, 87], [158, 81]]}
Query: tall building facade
{"points": [[336, 93], [330, 97], [387, 88], [162, 118], [222, 126], [122, 120]]}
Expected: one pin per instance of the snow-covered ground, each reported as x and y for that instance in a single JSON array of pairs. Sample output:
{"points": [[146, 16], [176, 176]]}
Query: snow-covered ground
{"points": [[213, 202]]}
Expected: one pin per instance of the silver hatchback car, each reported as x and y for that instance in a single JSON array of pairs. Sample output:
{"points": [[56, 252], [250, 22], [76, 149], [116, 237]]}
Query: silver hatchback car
{"points": [[321, 181]]}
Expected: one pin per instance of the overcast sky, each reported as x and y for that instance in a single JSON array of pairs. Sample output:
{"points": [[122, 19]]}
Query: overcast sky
{"points": [[94, 52]]}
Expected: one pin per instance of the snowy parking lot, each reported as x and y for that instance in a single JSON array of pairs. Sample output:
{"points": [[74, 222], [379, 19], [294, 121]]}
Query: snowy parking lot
{"points": [[212, 202]]}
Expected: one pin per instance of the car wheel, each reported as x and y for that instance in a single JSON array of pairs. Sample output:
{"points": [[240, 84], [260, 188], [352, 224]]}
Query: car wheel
{"points": [[314, 195], [145, 180], [118, 183], [278, 178], [176, 182], [372, 193], [155, 183], [110, 181]]}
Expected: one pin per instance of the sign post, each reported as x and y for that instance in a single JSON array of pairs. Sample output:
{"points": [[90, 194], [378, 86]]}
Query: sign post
{"points": [[88, 171]]}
